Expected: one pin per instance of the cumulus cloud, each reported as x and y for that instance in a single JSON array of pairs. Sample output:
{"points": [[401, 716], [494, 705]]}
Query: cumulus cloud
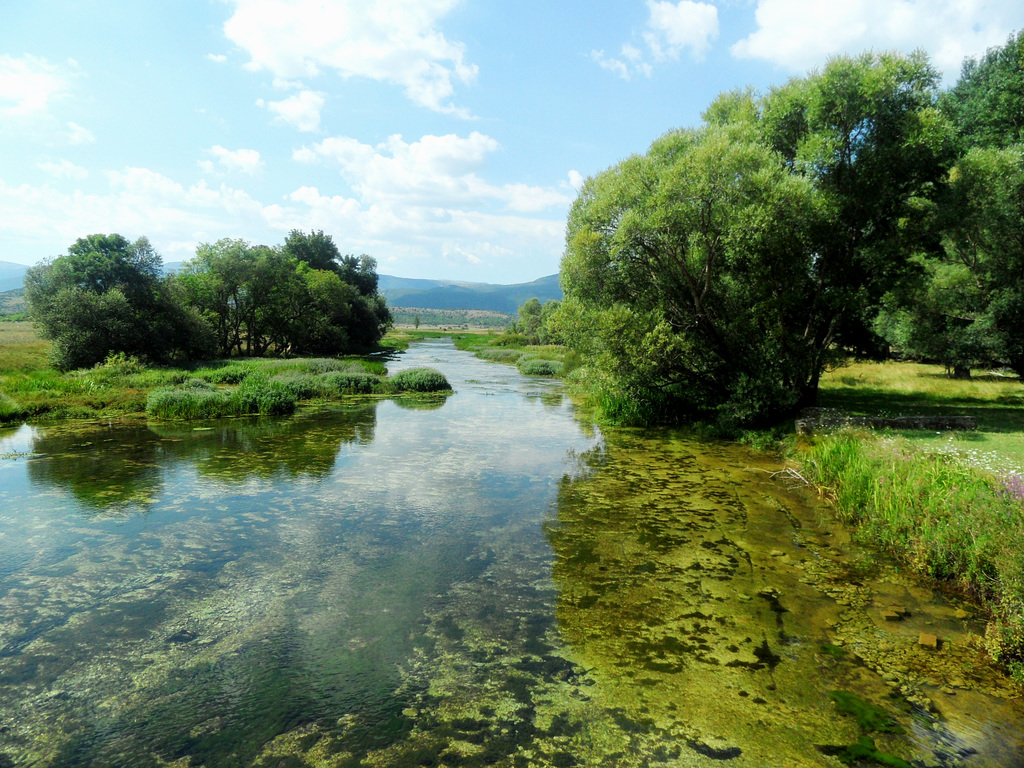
{"points": [[246, 161], [397, 42], [76, 134], [671, 29], [675, 28], [217, 58], [28, 85], [420, 206], [301, 111], [800, 34], [63, 169], [434, 172]]}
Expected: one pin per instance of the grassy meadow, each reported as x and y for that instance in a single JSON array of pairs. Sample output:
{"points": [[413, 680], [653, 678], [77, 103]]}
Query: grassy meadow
{"points": [[30, 388]]}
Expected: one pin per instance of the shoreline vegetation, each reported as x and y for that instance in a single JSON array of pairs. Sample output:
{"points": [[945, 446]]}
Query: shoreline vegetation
{"points": [[122, 386]]}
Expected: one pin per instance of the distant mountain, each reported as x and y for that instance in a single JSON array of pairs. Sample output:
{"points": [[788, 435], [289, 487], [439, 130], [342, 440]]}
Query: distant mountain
{"points": [[450, 294], [401, 291], [12, 276]]}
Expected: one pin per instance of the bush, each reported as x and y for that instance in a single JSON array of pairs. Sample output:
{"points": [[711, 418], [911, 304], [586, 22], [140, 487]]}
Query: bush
{"points": [[350, 382], [303, 386], [511, 340], [538, 367], [229, 373], [419, 380]]}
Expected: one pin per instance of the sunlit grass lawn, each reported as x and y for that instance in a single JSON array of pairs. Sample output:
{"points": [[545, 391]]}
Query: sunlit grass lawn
{"points": [[905, 389]]}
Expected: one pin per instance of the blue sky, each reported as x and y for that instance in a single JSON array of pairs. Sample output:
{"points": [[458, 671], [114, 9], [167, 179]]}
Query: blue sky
{"points": [[446, 138]]}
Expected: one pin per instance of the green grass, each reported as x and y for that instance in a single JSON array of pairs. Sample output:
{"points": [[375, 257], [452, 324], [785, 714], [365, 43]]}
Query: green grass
{"points": [[944, 516], [911, 389]]}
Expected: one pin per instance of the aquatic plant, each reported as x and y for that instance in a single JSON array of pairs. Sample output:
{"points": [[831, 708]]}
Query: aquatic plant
{"points": [[539, 367], [871, 717], [419, 380]]}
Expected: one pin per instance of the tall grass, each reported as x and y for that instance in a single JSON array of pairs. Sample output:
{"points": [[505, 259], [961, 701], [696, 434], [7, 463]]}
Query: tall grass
{"points": [[944, 517]]}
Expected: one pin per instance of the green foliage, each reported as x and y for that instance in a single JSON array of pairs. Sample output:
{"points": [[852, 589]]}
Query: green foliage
{"points": [[500, 355], [105, 295], [510, 339], [714, 277], [540, 367], [351, 382], [419, 380], [987, 102], [255, 395]]}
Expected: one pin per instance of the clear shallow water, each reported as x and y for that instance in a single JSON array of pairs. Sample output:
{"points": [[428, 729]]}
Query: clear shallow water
{"points": [[483, 581]]}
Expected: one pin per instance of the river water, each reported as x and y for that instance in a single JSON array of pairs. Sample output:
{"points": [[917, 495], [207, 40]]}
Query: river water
{"points": [[482, 580]]}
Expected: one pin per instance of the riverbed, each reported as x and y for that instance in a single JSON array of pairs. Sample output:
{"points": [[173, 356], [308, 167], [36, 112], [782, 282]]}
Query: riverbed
{"points": [[487, 579]]}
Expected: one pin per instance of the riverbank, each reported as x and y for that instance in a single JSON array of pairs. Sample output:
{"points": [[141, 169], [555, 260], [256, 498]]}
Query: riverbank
{"points": [[31, 389], [949, 505]]}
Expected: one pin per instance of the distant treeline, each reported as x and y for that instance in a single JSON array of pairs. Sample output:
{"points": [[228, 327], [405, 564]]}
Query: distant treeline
{"points": [[106, 295], [856, 210]]}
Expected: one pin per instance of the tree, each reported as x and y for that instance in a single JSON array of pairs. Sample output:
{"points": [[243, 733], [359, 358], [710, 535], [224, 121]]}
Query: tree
{"points": [[261, 299], [315, 249], [686, 274], [987, 102], [718, 275], [106, 295]]}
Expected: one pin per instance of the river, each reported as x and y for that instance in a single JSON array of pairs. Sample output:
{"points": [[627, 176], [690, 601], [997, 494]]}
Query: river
{"points": [[483, 580]]}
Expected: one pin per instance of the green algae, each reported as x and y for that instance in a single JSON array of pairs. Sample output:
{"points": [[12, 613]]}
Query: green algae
{"points": [[870, 717]]}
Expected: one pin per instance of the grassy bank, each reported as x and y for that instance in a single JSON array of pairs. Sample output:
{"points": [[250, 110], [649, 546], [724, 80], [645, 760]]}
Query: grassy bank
{"points": [[511, 348], [950, 504], [31, 389]]}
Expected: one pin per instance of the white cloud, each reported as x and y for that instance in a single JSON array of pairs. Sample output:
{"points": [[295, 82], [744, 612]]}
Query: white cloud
{"points": [[674, 28], [800, 34], [671, 29], [76, 134], [301, 111], [28, 85], [436, 173], [217, 58], [242, 160], [393, 41], [64, 169]]}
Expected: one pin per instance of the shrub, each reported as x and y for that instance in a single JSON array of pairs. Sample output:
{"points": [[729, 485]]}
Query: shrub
{"points": [[329, 364], [350, 382], [419, 380], [538, 367], [303, 386]]}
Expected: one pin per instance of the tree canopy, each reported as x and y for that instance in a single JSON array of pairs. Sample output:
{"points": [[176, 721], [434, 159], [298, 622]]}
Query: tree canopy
{"points": [[717, 275], [106, 295]]}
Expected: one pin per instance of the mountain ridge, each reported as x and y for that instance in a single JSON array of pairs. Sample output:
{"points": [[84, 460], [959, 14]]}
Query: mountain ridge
{"points": [[403, 291]]}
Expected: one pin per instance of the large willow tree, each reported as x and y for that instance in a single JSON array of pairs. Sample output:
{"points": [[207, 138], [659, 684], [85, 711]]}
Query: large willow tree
{"points": [[715, 276]]}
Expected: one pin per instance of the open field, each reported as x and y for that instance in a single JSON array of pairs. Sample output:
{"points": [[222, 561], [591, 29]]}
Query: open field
{"points": [[995, 399]]}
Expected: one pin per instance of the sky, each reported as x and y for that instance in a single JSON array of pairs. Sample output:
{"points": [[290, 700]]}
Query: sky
{"points": [[445, 138]]}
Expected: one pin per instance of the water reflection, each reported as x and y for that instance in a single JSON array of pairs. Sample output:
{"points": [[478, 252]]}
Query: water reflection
{"points": [[120, 468], [285, 580]]}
